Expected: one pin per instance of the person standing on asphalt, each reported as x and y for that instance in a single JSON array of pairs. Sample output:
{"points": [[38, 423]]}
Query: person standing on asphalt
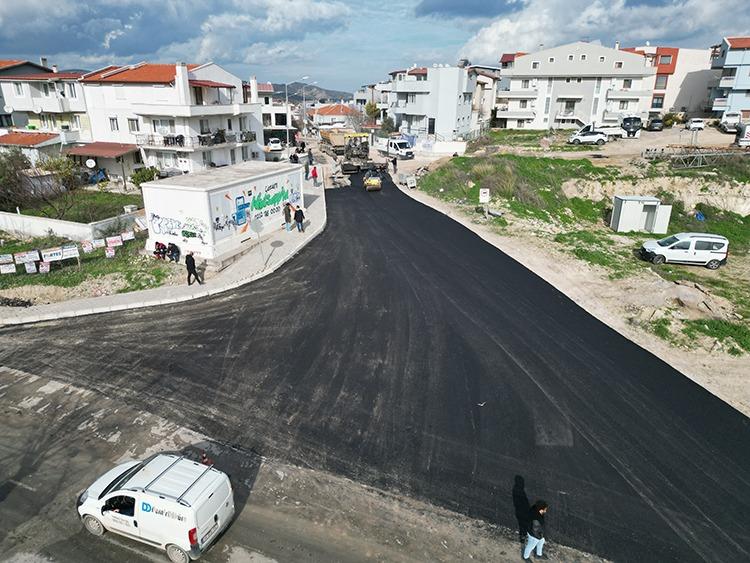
{"points": [[299, 217], [314, 175], [395, 164], [309, 157], [307, 170], [288, 216], [190, 264], [535, 533]]}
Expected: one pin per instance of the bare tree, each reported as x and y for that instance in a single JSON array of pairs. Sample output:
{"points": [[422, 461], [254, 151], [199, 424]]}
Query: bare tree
{"points": [[53, 183], [13, 193]]}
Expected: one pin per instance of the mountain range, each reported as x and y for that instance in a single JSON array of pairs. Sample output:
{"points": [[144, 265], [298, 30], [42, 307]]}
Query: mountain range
{"points": [[311, 93]]}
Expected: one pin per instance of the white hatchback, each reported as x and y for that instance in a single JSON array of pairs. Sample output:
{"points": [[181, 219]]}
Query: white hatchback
{"points": [[275, 145], [695, 124], [702, 249]]}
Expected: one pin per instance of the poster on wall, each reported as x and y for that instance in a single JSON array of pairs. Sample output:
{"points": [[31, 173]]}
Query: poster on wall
{"points": [[110, 251], [28, 256], [114, 241], [87, 246], [70, 251], [7, 268], [6, 258], [30, 267], [52, 254], [44, 267], [98, 243], [128, 235]]}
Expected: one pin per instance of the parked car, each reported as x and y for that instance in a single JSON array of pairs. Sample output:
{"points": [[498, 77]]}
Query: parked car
{"points": [[275, 145], [730, 122], [702, 249], [588, 138], [695, 124], [166, 501], [655, 124]]}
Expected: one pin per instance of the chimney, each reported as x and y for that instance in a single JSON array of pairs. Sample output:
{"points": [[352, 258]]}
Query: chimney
{"points": [[253, 90], [617, 45], [54, 68], [541, 46], [43, 61], [182, 84]]}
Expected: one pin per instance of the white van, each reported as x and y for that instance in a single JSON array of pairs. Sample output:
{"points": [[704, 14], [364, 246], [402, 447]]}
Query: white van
{"points": [[166, 501], [702, 249]]}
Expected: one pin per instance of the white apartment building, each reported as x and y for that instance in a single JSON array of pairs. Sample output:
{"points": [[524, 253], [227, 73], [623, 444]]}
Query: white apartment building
{"points": [[433, 103], [483, 103], [180, 118], [572, 85], [278, 116], [376, 93]]}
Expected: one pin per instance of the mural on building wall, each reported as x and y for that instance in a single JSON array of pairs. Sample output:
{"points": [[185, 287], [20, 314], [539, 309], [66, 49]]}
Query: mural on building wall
{"points": [[189, 228], [234, 209]]}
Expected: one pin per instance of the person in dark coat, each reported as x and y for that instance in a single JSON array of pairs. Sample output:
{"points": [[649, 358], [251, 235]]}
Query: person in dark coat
{"points": [[288, 216], [394, 162], [299, 217], [535, 533], [190, 264], [173, 252], [302, 146], [309, 157], [307, 170]]}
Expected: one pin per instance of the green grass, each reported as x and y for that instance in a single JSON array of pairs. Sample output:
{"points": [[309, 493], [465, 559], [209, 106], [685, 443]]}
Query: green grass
{"points": [[721, 330], [89, 206], [140, 272], [660, 327]]}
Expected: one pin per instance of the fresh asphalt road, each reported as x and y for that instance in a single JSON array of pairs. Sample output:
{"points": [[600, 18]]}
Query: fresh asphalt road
{"points": [[401, 350]]}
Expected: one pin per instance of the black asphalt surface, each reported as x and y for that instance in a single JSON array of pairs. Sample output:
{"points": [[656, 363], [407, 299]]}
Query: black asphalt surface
{"points": [[401, 350]]}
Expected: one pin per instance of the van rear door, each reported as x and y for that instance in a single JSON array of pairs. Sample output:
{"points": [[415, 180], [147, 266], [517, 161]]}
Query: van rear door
{"points": [[215, 511]]}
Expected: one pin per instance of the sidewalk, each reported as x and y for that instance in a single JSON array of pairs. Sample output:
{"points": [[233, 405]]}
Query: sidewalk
{"points": [[265, 257]]}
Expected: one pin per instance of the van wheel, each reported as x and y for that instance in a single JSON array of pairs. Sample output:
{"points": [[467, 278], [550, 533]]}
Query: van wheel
{"points": [[600, 142], [713, 265], [93, 525], [177, 554], [576, 141], [658, 259]]}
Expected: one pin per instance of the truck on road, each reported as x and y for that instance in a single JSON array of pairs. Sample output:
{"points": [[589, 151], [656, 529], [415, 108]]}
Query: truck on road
{"points": [[394, 147]]}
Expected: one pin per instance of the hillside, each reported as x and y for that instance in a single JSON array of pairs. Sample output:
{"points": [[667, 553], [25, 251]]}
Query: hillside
{"points": [[312, 92]]}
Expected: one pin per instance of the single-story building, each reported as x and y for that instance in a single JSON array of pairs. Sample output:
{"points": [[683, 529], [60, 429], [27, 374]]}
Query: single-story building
{"points": [[639, 213], [218, 213], [117, 159], [34, 145]]}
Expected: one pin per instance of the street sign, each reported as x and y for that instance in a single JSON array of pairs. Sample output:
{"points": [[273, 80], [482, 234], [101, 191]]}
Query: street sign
{"points": [[484, 195]]}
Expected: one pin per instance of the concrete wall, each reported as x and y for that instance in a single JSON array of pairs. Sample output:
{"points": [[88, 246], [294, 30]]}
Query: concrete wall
{"points": [[29, 226]]}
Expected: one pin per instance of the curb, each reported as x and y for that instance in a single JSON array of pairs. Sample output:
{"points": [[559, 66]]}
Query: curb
{"points": [[169, 300]]}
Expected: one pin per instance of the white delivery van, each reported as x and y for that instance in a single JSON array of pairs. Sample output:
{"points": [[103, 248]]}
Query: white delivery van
{"points": [[702, 249], [166, 501], [394, 147]]}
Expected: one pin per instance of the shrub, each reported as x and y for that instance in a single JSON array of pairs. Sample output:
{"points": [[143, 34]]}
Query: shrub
{"points": [[143, 175]]}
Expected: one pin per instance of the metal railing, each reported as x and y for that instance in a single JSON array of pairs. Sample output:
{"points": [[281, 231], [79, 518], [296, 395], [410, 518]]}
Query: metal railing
{"points": [[175, 141]]}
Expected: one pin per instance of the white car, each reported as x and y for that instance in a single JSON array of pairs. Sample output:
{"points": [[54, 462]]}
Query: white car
{"points": [[588, 138], [702, 249], [165, 501], [695, 124], [275, 145]]}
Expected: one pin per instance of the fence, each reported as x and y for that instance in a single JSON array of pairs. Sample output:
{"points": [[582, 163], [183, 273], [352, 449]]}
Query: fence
{"points": [[30, 226]]}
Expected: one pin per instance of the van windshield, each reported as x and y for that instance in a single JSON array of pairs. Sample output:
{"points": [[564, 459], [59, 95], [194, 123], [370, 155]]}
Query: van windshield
{"points": [[667, 241], [121, 480], [402, 145]]}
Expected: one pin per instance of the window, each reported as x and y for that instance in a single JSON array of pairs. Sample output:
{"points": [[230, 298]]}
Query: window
{"points": [[281, 119], [113, 125], [595, 109], [717, 245], [266, 100], [549, 85], [165, 159], [204, 127], [524, 104], [255, 155], [229, 124], [546, 106], [133, 125], [598, 86], [583, 57], [665, 60], [206, 158], [18, 88], [703, 245], [45, 88], [163, 126], [618, 64], [520, 123], [233, 156], [661, 82], [123, 505], [75, 123], [266, 120], [623, 104], [72, 92], [535, 65], [411, 98], [48, 121], [244, 152], [578, 80], [524, 83], [137, 157], [657, 102], [567, 80], [570, 57], [552, 59], [421, 77], [243, 123], [602, 59], [682, 245]]}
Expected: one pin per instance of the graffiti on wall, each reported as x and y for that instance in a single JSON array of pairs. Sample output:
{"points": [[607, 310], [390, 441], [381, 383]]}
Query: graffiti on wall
{"points": [[189, 228]]}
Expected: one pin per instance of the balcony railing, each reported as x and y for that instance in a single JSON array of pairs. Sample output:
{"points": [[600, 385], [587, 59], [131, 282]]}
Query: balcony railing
{"points": [[726, 81], [719, 103], [176, 142]]}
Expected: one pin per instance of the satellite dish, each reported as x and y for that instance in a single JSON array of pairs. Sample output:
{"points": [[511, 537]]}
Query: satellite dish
{"points": [[38, 110], [8, 109], [90, 163]]}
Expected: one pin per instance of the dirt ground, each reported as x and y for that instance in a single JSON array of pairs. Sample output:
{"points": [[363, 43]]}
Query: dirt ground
{"points": [[69, 435], [623, 304]]}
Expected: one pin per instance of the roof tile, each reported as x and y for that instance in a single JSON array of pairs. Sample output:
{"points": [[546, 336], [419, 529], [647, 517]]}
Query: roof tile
{"points": [[26, 139]]}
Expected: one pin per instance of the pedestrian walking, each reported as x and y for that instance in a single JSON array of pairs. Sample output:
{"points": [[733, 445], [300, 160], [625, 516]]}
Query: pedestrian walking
{"points": [[288, 216], [299, 217], [535, 532], [302, 144], [309, 156], [191, 271], [314, 174], [307, 170], [395, 164]]}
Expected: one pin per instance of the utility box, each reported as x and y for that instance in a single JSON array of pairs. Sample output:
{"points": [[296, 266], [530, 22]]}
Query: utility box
{"points": [[639, 213]]}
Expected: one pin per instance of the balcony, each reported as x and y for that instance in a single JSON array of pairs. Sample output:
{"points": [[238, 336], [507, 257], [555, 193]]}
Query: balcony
{"points": [[184, 110], [417, 107], [412, 86], [727, 81], [184, 143], [520, 94], [719, 104], [569, 114]]}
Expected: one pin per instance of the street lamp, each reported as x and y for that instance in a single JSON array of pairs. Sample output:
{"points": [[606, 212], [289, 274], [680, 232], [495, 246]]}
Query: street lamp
{"points": [[286, 103]]}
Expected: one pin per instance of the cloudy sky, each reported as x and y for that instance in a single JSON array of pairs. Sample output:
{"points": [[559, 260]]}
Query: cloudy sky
{"points": [[344, 43]]}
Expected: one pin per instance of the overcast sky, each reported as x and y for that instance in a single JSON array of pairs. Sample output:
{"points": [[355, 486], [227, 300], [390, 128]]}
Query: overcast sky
{"points": [[344, 43]]}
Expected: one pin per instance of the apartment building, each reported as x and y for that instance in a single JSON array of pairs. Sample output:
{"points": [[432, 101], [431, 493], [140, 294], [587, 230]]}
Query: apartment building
{"points": [[572, 85], [483, 99], [378, 94], [731, 92], [17, 67], [179, 117], [277, 114], [683, 78], [433, 103]]}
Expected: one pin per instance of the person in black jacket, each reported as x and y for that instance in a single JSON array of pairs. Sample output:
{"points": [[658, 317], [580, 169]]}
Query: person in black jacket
{"points": [[535, 532], [299, 217], [190, 264]]}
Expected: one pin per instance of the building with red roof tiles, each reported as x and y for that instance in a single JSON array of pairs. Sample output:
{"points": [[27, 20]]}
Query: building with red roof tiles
{"points": [[730, 92], [16, 66], [34, 145]]}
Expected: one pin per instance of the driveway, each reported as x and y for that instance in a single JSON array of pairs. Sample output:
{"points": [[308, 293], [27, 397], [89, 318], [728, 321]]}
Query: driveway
{"points": [[402, 351]]}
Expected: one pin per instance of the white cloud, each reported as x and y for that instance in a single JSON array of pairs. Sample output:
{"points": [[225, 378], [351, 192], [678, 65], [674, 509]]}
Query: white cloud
{"points": [[685, 23]]}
